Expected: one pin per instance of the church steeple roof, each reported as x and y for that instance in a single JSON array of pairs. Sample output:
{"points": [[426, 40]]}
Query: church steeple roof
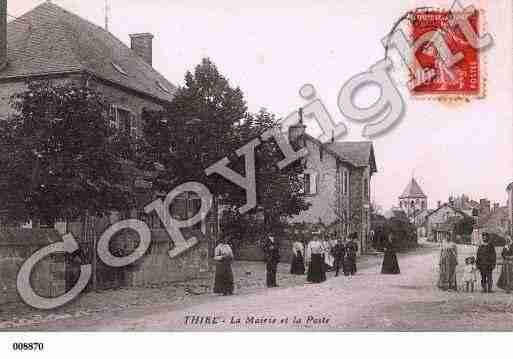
{"points": [[413, 190]]}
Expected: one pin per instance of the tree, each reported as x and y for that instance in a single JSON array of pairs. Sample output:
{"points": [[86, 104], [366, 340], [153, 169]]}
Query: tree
{"points": [[465, 226], [207, 121], [279, 192], [60, 157], [403, 232], [196, 130]]}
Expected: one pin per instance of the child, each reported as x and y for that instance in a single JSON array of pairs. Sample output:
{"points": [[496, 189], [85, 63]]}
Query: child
{"points": [[469, 273]]}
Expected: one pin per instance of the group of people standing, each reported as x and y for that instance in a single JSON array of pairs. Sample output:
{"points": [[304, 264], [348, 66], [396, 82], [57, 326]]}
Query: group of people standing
{"points": [[485, 263], [322, 255]]}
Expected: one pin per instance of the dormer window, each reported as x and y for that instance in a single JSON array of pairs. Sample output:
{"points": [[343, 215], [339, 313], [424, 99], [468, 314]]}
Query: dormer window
{"points": [[119, 69], [162, 87]]}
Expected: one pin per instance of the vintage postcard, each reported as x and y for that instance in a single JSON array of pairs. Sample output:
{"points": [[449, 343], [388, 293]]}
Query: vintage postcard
{"points": [[186, 166]]}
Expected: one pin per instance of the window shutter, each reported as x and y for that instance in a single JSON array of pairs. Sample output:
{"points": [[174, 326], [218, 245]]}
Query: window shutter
{"points": [[113, 117], [133, 126], [313, 183], [302, 180], [345, 180], [306, 183]]}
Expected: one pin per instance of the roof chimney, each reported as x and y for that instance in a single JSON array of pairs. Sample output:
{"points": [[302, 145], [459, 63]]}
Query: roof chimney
{"points": [[142, 45], [3, 33]]}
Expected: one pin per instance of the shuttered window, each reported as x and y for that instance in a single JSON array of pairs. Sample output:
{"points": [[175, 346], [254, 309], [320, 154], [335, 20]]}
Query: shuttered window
{"points": [[125, 121], [345, 182], [310, 183]]}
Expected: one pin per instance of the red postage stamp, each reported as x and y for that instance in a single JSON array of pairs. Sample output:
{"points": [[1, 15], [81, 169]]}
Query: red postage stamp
{"points": [[463, 79]]}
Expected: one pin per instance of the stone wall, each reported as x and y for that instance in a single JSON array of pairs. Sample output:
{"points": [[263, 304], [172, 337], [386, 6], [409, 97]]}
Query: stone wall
{"points": [[356, 214], [324, 202], [117, 96], [126, 100], [16, 246], [53, 275], [156, 267], [253, 252]]}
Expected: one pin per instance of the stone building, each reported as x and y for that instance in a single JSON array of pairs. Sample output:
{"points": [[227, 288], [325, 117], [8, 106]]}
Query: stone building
{"points": [[51, 43], [413, 201], [338, 185], [494, 220], [437, 220]]}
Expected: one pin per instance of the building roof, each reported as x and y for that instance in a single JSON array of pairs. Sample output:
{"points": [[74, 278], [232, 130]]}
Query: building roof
{"points": [[413, 190], [49, 40], [360, 154], [357, 154], [456, 210]]}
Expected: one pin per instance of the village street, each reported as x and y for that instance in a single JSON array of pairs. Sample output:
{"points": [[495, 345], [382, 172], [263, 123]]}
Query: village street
{"points": [[368, 301]]}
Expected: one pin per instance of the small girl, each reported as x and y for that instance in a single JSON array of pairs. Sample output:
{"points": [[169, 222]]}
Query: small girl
{"points": [[469, 273]]}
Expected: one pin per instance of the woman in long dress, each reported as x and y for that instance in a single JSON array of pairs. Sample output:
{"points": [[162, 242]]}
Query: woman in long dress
{"points": [[448, 263], [390, 264], [506, 278], [298, 264], [315, 259], [223, 283]]}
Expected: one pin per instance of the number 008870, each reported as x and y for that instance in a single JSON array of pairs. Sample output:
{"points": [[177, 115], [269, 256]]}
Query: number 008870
{"points": [[27, 346]]}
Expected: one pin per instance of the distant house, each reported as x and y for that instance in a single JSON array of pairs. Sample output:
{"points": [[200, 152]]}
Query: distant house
{"points": [[337, 183], [446, 230], [437, 220], [465, 204]]}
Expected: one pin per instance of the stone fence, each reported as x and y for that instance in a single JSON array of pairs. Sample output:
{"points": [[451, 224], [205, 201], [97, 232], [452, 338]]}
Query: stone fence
{"points": [[55, 274], [16, 246]]}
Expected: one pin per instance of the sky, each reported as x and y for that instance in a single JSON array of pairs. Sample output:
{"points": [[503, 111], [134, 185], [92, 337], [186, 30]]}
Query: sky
{"points": [[270, 48]]}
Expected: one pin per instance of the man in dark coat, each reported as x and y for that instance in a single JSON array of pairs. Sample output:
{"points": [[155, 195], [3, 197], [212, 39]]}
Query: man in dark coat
{"points": [[272, 258], [486, 261], [338, 252], [352, 250]]}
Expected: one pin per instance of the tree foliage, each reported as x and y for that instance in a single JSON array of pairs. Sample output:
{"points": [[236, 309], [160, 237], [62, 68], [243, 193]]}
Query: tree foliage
{"points": [[404, 233], [207, 121], [196, 130], [465, 226], [60, 156], [278, 191]]}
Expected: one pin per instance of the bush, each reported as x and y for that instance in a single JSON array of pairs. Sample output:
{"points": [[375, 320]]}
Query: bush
{"points": [[404, 234]]}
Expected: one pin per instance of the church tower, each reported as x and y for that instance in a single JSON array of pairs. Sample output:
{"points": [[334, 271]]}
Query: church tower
{"points": [[413, 200]]}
